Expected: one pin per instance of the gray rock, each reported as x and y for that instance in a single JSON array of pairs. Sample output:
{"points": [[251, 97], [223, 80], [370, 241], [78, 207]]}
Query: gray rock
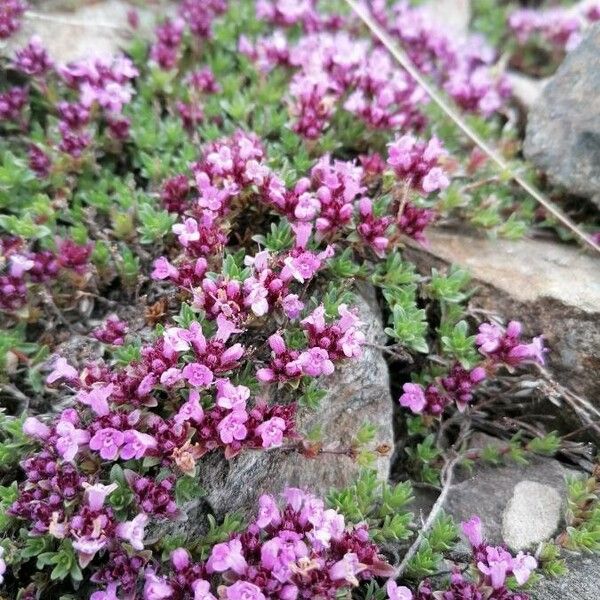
{"points": [[525, 90], [488, 491], [551, 288], [358, 392], [98, 28], [532, 515], [581, 583], [452, 15], [563, 132]]}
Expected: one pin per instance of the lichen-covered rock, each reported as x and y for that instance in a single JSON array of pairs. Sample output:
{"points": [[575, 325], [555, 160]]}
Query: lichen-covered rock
{"points": [[563, 130], [532, 515], [358, 392]]}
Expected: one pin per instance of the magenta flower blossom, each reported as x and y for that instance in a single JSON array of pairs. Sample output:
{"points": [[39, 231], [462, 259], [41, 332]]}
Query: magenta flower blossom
{"points": [[397, 592], [413, 397], [33, 427], [232, 427], [231, 396], [97, 398], [62, 370], [473, 531], [488, 338], [316, 362], [522, 567], [190, 410], [136, 444], [496, 566], [268, 512], [69, 439], [110, 593], [133, 531], [201, 589], [292, 306], [163, 269], [107, 442], [227, 556], [198, 375], [96, 494], [347, 569], [156, 588], [243, 590], [271, 432]]}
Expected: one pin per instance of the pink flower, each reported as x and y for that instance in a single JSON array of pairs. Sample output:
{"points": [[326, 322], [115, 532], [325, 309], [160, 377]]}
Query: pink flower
{"points": [[489, 336], [413, 397], [163, 269], [133, 531], [396, 592], [227, 556], [522, 566], [107, 441], [61, 370], [96, 494], [135, 444], [243, 590], [268, 512], [231, 396], [187, 231], [110, 593], [435, 180], [316, 362], [301, 267], [473, 531], [180, 559], [198, 375], [201, 590], [33, 427], [175, 339], [19, 264], [496, 566], [156, 588], [190, 410], [292, 306], [271, 432], [232, 427], [70, 439], [97, 398], [347, 569], [171, 377]]}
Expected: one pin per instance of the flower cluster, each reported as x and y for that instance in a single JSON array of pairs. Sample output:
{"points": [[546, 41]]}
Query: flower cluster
{"points": [[12, 103], [298, 549], [26, 267], [33, 59], [491, 567], [11, 12], [497, 346], [112, 331]]}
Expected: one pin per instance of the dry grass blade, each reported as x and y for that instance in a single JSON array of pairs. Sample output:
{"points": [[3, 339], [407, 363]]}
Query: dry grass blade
{"points": [[408, 65]]}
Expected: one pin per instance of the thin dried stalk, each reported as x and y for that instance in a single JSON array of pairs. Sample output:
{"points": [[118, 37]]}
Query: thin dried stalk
{"points": [[410, 68]]}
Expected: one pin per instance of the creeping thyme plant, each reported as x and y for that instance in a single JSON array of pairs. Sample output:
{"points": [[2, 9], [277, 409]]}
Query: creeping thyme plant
{"points": [[205, 209]]}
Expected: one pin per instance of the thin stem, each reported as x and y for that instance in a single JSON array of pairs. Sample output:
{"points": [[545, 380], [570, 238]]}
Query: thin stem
{"points": [[447, 475], [412, 70]]}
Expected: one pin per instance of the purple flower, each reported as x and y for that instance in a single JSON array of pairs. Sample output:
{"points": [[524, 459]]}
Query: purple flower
{"points": [[489, 336], [268, 513], [292, 306], [97, 399], [496, 566], [473, 531], [316, 362], [33, 427], [243, 590], [227, 556], [61, 370], [198, 375], [232, 427], [96, 494], [201, 590], [163, 269], [2, 565], [397, 592], [190, 410], [231, 396], [70, 439], [522, 566], [110, 593], [413, 397], [156, 588], [135, 444], [133, 531], [107, 441], [180, 559], [271, 432], [347, 569]]}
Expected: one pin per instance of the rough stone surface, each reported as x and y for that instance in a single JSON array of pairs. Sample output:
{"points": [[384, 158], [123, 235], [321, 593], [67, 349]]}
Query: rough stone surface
{"points": [[93, 28], [552, 288], [532, 515], [357, 392], [563, 132], [451, 15], [581, 583], [488, 491]]}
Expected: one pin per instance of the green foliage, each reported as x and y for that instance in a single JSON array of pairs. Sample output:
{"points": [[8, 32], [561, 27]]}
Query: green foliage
{"points": [[217, 533], [424, 459], [380, 504], [583, 514]]}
